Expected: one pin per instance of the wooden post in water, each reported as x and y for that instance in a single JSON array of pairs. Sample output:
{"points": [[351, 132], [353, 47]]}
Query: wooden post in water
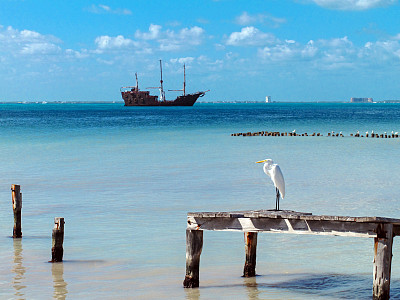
{"points": [[57, 250], [382, 262], [194, 245], [16, 196], [250, 240]]}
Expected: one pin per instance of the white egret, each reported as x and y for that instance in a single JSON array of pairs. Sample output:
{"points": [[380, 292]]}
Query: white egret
{"points": [[275, 173]]}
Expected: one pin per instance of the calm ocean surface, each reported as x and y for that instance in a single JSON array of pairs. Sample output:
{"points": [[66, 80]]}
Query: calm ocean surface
{"points": [[124, 178]]}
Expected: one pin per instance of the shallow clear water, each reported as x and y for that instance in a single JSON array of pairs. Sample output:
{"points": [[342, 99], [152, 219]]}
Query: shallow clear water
{"points": [[124, 178]]}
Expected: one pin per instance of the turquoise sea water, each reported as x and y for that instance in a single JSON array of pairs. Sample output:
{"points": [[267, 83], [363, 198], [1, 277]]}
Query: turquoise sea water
{"points": [[124, 178]]}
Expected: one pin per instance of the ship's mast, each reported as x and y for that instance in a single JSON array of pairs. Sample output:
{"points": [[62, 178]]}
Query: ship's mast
{"points": [[184, 80], [137, 83], [162, 97]]}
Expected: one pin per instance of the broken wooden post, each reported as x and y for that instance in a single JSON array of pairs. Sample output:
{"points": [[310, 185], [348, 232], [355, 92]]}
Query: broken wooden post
{"points": [[250, 240], [16, 196], [58, 239], [382, 261], [194, 245]]}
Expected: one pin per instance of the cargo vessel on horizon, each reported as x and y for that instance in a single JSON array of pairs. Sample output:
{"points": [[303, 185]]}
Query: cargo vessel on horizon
{"points": [[134, 97]]}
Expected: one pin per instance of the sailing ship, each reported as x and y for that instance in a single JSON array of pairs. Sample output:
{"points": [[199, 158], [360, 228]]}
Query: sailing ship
{"points": [[134, 97]]}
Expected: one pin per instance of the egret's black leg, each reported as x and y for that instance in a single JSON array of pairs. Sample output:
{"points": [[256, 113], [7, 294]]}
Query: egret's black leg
{"points": [[277, 199]]}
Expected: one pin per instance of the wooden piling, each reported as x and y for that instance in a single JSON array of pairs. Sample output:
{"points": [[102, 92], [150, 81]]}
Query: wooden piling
{"points": [[194, 246], [382, 262], [57, 250], [250, 240], [16, 196]]}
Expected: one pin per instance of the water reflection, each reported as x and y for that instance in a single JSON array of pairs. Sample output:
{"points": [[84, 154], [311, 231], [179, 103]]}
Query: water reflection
{"points": [[18, 269], [251, 288], [60, 286], [192, 294]]}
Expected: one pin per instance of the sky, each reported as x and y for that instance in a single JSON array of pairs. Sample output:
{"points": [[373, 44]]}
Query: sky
{"points": [[240, 50]]}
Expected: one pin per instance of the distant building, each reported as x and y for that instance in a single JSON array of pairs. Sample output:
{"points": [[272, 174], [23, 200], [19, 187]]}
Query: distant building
{"points": [[268, 99], [361, 100]]}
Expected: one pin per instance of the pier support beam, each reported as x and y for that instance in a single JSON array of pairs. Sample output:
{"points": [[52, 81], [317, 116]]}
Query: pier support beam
{"points": [[57, 249], [17, 207], [382, 261], [194, 246], [250, 240]]}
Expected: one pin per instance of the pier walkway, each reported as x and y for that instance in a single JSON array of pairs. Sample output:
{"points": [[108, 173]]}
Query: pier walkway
{"points": [[383, 230]]}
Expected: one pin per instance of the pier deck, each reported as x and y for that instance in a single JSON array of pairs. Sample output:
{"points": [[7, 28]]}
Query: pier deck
{"points": [[383, 230]]}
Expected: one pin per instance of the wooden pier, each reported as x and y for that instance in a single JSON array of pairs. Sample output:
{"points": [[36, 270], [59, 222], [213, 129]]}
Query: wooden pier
{"points": [[383, 230]]}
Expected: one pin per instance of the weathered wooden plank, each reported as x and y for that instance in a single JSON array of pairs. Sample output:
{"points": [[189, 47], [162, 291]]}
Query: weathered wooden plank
{"points": [[294, 226], [250, 240], [251, 214], [209, 214], [382, 262], [289, 214], [17, 207], [194, 246], [396, 230], [57, 249], [195, 214], [222, 214]]}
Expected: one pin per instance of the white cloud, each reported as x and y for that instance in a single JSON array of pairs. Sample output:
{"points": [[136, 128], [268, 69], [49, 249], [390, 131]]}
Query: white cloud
{"points": [[387, 50], [182, 60], [309, 50], [155, 38], [27, 42], [191, 36], [28, 34], [353, 4], [106, 42], [281, 51], [324, 54], [105, 9], [246, 19], [153, 33], [249, 36], [105, 62], [40, 48], [171, 40], [76, 54]]}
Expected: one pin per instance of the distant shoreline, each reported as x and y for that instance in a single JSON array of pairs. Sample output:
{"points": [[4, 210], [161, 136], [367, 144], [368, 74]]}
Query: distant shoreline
{"points": [[202, 102]]}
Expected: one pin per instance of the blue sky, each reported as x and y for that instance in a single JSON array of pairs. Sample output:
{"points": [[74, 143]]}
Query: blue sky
{"points": [[293, 50]]}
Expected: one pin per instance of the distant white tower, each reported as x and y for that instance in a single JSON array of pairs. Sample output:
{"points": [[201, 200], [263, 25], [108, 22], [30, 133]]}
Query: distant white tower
{"points": [[268, 99]]}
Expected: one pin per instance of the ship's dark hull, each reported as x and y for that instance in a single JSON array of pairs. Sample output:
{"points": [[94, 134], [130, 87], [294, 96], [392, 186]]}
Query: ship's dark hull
{"points": [[132, 98]]}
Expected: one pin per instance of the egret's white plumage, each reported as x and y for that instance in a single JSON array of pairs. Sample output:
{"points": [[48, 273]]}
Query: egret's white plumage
{"points": [[275, 173]]}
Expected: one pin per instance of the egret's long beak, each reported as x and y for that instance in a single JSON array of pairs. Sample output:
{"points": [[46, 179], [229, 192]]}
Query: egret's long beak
{"points": [[261, 161]]}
